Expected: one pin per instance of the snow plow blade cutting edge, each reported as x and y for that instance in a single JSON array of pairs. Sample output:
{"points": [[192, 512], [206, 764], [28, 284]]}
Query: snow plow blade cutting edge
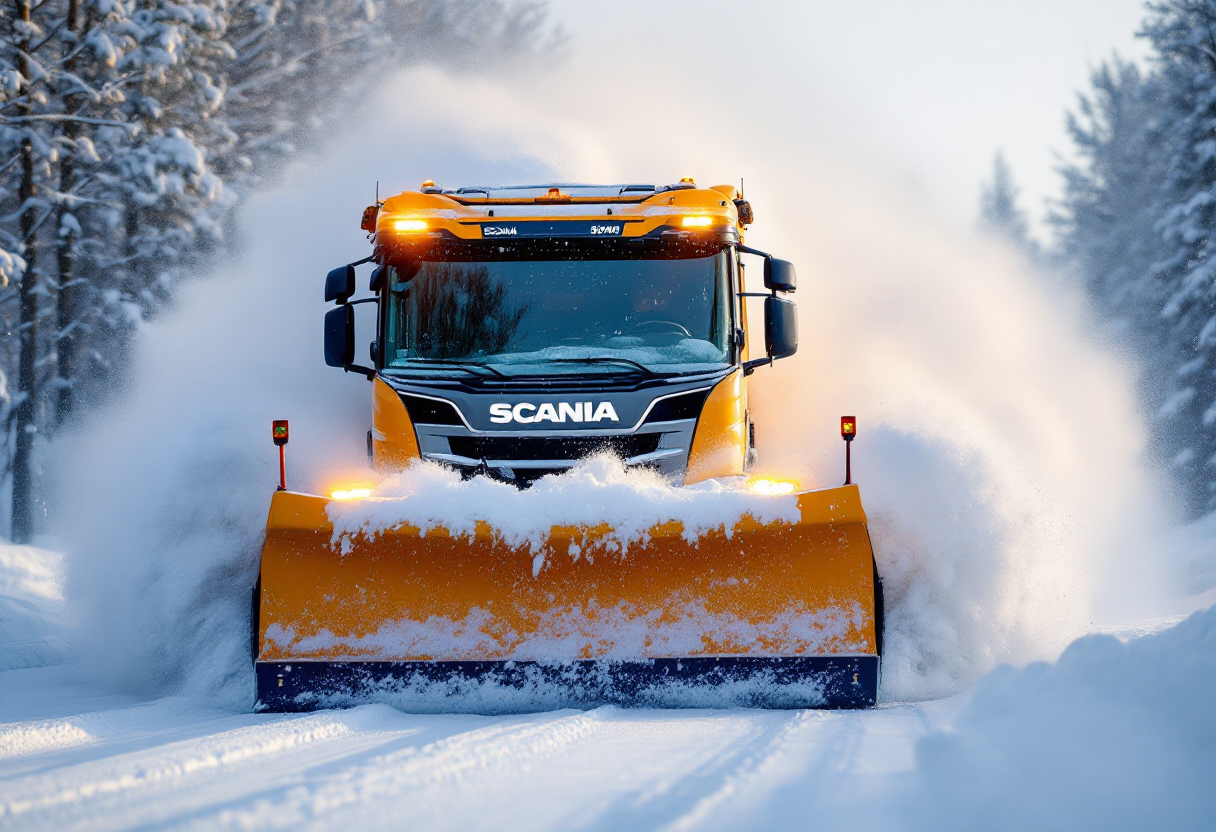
{"points": [[776, 615]]}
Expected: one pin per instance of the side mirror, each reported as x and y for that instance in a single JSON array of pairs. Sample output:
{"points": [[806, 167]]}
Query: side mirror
{"points": [[780, 326], [340, 335], [779, 275], [340, 284]]}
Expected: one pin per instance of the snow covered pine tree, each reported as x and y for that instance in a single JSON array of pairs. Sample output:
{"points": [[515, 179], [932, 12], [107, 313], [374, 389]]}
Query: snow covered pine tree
{"points": [[1000, 213], [28, 154], [1137, 221], [129, 131]]}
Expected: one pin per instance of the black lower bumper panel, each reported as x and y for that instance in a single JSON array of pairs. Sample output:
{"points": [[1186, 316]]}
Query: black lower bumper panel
{"points": [[525, 686]]}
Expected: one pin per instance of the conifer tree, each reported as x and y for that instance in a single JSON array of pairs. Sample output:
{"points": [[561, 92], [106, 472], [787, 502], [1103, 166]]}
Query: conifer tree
{"points": [[130, 130], [1182, 33], [1137, 221], [1000, 211], [28, 154]]}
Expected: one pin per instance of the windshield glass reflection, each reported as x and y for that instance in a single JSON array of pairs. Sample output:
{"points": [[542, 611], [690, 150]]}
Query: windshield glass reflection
{"points": [[671, 313]]}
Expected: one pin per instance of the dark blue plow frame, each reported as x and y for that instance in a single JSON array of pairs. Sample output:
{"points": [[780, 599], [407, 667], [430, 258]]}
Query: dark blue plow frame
{"points": [[521, 686]]}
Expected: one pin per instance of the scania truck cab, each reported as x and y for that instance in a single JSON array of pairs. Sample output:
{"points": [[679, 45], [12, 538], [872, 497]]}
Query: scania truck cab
{"points": [[520, 329]]}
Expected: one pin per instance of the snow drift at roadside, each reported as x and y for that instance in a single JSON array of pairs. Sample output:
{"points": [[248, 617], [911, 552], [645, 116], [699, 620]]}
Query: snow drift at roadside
{"points": [[1113, 736]]}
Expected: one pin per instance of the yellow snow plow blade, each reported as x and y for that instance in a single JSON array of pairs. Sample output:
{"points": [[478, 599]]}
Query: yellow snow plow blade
{"points": [[777, 615]]}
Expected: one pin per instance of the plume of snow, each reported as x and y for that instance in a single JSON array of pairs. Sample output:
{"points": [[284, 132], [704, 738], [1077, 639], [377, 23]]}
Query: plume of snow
{"points": [[999, 447]]}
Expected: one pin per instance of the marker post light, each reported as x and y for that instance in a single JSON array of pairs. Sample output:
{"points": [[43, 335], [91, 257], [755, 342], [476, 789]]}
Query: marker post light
{"points": [[279, 433], [848, 432]]}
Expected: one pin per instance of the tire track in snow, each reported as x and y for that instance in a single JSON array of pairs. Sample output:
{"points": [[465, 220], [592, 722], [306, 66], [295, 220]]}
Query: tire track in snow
{"points": [[379, 792], [722, 741], [39, 736], [375, 767], [744, 774], [131, 776], [815, 751]]}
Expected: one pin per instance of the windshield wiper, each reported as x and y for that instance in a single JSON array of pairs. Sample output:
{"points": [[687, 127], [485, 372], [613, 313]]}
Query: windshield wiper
{"points": [[601, 359], [467, 366]]}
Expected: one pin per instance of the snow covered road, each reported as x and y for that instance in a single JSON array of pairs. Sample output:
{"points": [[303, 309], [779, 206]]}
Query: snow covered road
{"points": [[72, 757], [1024, 748]]}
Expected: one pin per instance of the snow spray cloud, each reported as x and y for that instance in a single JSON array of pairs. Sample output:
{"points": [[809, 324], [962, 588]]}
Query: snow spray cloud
{"points": [[162, 501], [999, 453], [1001, 449], [998, 448]]}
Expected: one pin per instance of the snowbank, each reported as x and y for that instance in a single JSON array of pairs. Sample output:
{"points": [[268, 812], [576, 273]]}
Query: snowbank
{"points": [[1115, 735], [31, 627]]}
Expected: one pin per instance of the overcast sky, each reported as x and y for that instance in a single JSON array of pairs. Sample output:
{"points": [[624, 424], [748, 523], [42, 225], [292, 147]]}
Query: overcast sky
{"points": [[925, 91]]}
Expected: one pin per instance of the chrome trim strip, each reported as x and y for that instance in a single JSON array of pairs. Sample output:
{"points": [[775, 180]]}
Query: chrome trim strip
{"points": [[454, 459], [469, 462], [598, 430], [653, 427], [654, 456], [532, 463]]}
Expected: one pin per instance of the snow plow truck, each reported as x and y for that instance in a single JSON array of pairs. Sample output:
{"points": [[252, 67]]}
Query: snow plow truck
{"points": [[518, 331]]}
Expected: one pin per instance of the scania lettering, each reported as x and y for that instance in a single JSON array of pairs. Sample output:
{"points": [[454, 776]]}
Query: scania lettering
{"points": [[502, 413]]}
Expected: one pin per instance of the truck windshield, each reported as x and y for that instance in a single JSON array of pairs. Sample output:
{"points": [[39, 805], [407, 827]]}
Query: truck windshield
{"points": [[671, 314]]}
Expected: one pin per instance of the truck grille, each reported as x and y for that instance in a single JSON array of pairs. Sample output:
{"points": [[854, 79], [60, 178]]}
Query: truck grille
{"points": [[552, 447]]}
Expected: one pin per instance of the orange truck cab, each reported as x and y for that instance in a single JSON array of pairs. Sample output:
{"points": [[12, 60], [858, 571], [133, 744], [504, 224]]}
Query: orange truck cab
{"points": [[520, 329]]}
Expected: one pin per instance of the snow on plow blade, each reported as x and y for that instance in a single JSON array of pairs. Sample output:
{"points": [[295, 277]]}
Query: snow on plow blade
{"points": [[783, 614]]}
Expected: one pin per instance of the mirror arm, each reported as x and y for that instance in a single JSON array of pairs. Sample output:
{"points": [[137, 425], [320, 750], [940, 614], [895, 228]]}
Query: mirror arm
{"points": [[756, 251], [368, 372], [750, 366], [364, 300]]}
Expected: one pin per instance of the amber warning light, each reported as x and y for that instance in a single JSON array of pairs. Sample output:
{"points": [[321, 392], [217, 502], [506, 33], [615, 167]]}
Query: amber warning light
{"points": [[278, 432], [848, 432]]}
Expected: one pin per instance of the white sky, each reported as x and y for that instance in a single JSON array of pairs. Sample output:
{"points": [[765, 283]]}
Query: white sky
{"points": [[923, 91]]}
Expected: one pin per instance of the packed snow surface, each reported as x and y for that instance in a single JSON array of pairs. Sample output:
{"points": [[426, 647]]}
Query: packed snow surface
{"points": [[175, 764], [1116, 735]]}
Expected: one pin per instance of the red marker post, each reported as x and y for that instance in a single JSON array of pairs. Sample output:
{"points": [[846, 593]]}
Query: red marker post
{"points": [[848, 432], [278, 432]]}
